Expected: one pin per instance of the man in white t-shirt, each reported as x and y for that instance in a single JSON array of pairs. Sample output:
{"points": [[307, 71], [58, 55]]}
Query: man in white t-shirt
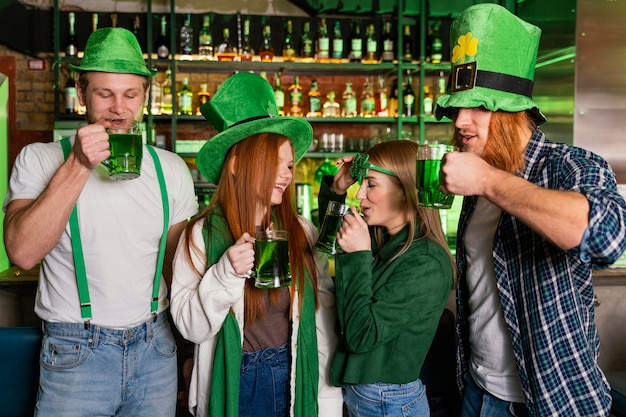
{"points": [[108, 347]]}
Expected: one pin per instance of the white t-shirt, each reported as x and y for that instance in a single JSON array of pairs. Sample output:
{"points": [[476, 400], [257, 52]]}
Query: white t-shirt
{"points": [[492, 363], [121, 223]]}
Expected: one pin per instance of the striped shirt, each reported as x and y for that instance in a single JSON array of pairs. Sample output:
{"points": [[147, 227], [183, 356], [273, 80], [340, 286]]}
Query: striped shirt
{"points": [[547, 293]]}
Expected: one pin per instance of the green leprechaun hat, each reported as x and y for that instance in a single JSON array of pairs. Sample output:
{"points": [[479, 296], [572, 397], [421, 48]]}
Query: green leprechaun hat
{"points": [[493, 62], [113, 50], [243, 106]]}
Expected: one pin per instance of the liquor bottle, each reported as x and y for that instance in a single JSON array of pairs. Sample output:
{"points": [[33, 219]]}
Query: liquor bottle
{"points": [[349, 101], [307, 48], [337, 53], [156, 96], [162, 48], [436, 43], [289, 50], [356, 42], [247, 52], [71, 96], [323, 43], [227, 50], [279, 95], [166, 97], [371, 46], [295, 97], [94, 22], [315, 101], [331, 108], [137, 32], [203, 97], [429, 101], [71, 41], [205, 40], [266, 50], [407, 50], [388, 44], [408, 97], [392, 102], [442, 83], [185, 98], [368, 100], [186, 39], [382, 106]]}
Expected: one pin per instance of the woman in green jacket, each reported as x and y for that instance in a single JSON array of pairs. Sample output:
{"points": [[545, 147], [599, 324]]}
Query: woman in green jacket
{"points": [[394, 274]]}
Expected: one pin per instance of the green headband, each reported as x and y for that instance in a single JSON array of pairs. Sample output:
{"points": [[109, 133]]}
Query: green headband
{"points": [[360, 168]]}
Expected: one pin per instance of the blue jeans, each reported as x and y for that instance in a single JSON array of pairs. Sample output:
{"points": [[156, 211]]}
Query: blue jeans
{"points": [[108, 372], [264, 383], [479, 403], [388, 400]]}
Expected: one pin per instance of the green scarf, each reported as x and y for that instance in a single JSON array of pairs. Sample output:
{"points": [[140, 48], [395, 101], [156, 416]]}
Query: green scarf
{"points": [[224, 394]]}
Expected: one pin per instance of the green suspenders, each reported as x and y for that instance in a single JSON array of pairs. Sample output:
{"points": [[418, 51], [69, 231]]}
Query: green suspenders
{"points": [[77, 248]]}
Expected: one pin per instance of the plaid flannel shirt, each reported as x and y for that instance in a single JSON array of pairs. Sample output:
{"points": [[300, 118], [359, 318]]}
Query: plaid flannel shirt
{"points": [[547, 293]]}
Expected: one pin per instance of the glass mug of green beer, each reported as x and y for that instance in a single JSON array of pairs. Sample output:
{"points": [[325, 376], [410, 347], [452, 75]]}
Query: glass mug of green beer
{"points": [[126, 145], [271, 259], [427, 172], [327, 240]]}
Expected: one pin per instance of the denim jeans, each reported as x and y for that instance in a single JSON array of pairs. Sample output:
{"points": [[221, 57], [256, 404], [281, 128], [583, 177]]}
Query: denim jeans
{"points": [[388, 400], [108, 372], [264, 383], [479, 403]]}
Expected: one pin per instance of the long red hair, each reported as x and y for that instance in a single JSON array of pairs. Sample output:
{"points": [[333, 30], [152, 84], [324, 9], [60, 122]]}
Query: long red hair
{"points": [[254, 163]]}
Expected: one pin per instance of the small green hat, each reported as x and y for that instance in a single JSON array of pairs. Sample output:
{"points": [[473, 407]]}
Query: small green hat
{"points": [[113, 50], [493, 62], [243, 106]]}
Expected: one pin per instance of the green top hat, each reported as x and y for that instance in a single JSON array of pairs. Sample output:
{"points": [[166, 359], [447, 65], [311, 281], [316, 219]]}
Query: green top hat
{"points": [[113, 50], [493, 62], [243, 106]]}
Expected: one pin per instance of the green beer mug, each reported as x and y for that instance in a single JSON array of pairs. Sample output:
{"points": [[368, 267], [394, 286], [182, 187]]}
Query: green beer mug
{"points": [[126, 145], [427, 176]]}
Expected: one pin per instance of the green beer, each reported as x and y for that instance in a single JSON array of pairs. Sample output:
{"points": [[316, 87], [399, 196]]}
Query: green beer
{"points": [[271, 261], [126, 153], [427, 183], [328, 233]]}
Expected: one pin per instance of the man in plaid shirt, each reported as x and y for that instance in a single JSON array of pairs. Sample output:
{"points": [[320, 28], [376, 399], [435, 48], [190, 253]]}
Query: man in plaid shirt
{"points": [[537, 218]]}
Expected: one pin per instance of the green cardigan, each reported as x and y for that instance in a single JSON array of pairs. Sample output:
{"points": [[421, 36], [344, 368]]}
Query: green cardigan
{"points": [[388, 311]]}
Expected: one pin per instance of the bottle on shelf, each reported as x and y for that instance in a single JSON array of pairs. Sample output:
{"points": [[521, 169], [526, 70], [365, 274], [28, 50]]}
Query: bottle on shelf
{"points": [[71, 96], [156, 96], [186, 39], [436, 43], [407, 50], [289, 50], [162, 44], [137, 32], [429, 101], [349, 101], [71, 41], [388, 53], [203, 97], [331, 108], [295, 97], [266, 50], [226, 51], [185, 98], [442, 83], [94, 22], [205, 40], [323, 43], [166, 95], [356, 42], [392, 102], [371, 46], [408, 96], [382, 107], [307, 48], [368, 100], [315, 101], [247, 52], [279, 95], [113, 20], [337, 54]]}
